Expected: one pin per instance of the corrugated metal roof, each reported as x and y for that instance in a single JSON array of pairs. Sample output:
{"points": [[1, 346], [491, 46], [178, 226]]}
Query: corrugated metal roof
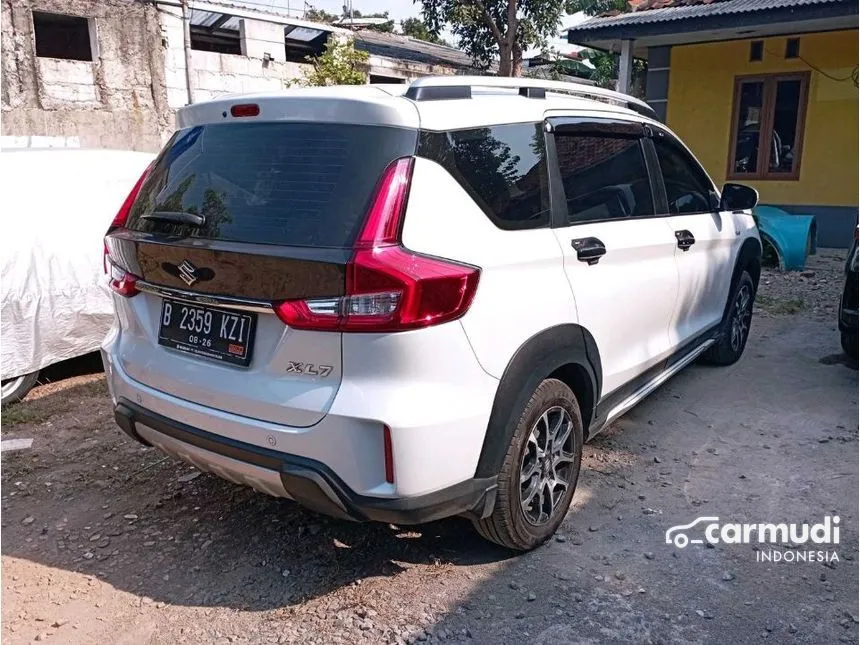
{"points": [[667, 14], [406, 48]]}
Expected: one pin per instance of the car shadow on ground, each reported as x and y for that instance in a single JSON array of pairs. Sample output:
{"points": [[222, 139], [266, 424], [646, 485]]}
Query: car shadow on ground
{"points": [[87, 499]]}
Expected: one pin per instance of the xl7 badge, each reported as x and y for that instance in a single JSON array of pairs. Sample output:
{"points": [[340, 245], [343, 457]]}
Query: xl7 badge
{"points": [[309, 369]]}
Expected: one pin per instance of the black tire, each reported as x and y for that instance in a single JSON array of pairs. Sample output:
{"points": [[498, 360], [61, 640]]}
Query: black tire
{"points": [[734, 330], [15, 389], [849, 344], [510, 525]]}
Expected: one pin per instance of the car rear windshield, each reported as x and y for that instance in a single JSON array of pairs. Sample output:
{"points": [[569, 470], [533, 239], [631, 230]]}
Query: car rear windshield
{"points": [[294, 184]]}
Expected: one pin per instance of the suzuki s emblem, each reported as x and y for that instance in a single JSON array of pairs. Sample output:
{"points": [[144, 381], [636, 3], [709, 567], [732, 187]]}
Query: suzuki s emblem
{"points": [[187, 272]]}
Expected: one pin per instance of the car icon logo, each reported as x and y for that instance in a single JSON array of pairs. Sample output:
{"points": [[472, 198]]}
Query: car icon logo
{"points": [[675, 535]]}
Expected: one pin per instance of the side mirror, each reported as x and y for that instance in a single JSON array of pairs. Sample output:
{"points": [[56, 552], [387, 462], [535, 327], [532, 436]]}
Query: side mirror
{"points": [[737, 197]]}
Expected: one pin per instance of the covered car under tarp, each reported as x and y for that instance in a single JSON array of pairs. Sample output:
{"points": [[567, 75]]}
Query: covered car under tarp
{"points": [[57, 205]]}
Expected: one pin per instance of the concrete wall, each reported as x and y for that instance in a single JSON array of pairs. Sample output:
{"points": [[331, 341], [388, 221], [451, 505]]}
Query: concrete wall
{"points": [[409, 70], [214, 74], [260, 38], [115, 101], [127, 96]]}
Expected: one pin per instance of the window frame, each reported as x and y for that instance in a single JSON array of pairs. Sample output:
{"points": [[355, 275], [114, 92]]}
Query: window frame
{"points": [[595, 126], [655, 134], [768, 106], [92, 34]]}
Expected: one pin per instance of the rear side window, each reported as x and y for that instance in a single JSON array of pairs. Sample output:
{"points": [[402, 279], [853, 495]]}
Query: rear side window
{"points": [[293, 184], [604, 177], [503, 168]]}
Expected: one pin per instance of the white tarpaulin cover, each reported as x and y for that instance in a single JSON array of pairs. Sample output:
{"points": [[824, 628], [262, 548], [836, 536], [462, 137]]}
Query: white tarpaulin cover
{"points": [[57, 205]]}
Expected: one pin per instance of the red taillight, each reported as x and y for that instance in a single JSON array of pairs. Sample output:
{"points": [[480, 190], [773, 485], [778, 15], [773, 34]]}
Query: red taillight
{"points": [[245, 109], [388, 288], [389, 454], [121, 281], [382, 226], [125, 209]]}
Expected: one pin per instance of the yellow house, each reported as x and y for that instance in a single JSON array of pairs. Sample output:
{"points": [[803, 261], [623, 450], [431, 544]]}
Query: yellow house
{"points": [[763, 91]]}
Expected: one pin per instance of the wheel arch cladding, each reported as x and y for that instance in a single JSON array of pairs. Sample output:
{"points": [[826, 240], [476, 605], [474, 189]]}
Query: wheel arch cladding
{"points": [[749, 260], [566, 352]]}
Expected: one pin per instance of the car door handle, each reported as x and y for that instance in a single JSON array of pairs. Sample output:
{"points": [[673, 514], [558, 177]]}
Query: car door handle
{"points": [[588, 249], [685, 239]]}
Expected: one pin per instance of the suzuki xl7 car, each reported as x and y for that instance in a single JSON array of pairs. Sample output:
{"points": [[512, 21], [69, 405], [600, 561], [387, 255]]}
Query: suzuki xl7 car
{"points": [[401, 303]]}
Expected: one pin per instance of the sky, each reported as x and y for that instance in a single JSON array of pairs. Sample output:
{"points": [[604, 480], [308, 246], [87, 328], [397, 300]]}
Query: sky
{"points": [[397, 9]]}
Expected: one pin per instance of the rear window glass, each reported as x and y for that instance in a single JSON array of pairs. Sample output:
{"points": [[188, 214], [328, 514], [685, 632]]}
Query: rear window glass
{"points": [[503, 168], [297, 184]]}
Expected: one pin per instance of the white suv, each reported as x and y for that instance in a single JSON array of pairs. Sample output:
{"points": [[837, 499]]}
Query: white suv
{"points": [[400, 303]]}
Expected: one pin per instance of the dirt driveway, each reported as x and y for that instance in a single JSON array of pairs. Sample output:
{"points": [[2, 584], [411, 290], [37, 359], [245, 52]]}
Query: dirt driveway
{"points": [[104, 541]]}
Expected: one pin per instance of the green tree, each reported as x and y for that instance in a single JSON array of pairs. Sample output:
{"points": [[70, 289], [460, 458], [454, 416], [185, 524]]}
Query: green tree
{"points": [[320, 15], [386, 27], [488, 29], [597, 7], [605, 63], [340, 64], [416, 28]]}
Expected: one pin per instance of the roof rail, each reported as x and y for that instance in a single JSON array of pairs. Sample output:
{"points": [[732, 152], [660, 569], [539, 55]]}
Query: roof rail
{"points": [[430, 88]]}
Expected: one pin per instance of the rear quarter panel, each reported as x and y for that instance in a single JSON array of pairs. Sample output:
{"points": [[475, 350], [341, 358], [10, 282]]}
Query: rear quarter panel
{"points": [[522, 290]]}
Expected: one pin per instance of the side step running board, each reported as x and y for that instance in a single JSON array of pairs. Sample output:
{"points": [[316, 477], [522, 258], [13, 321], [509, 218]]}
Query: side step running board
{"points": [[656, 382]]}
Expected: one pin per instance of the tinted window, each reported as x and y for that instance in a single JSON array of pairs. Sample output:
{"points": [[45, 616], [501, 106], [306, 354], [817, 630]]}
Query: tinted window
{"points": [[687, 188], [503, 168], [300, 184], [603, 177]]}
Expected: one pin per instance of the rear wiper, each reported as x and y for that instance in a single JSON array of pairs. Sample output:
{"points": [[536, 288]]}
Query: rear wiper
{"points": [[176, 217]]}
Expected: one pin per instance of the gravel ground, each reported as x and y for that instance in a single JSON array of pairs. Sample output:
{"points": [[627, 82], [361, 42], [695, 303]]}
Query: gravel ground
{"points": [[104, 541]]}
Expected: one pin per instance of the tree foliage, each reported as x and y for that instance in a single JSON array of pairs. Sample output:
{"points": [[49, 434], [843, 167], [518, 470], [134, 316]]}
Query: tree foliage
{"points": [[597, 7], [416, 28], [488, 29], [605, 63], [340, 64], [320, 15], [386, 27]]}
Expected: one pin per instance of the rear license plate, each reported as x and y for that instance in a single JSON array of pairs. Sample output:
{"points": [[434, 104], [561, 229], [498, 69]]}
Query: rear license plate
{"points": [[219, 334]]}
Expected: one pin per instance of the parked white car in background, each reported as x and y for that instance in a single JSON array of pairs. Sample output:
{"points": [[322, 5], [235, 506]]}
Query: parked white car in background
{"points": [[55, 300]]}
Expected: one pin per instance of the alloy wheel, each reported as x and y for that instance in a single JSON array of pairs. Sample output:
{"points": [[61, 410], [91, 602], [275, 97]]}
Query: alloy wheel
{"points": [[741, 315], [547, 466]]}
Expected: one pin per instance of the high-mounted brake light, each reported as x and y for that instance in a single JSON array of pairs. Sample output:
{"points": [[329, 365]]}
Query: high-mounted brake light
{"points": [[388, 288], [245, 109]]}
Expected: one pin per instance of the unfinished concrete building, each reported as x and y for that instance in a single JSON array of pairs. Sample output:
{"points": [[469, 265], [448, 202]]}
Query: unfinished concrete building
{"points": [[111, 73]]}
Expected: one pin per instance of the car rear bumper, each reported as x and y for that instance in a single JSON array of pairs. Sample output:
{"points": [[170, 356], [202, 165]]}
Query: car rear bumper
{"points": [[307, 481]]}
